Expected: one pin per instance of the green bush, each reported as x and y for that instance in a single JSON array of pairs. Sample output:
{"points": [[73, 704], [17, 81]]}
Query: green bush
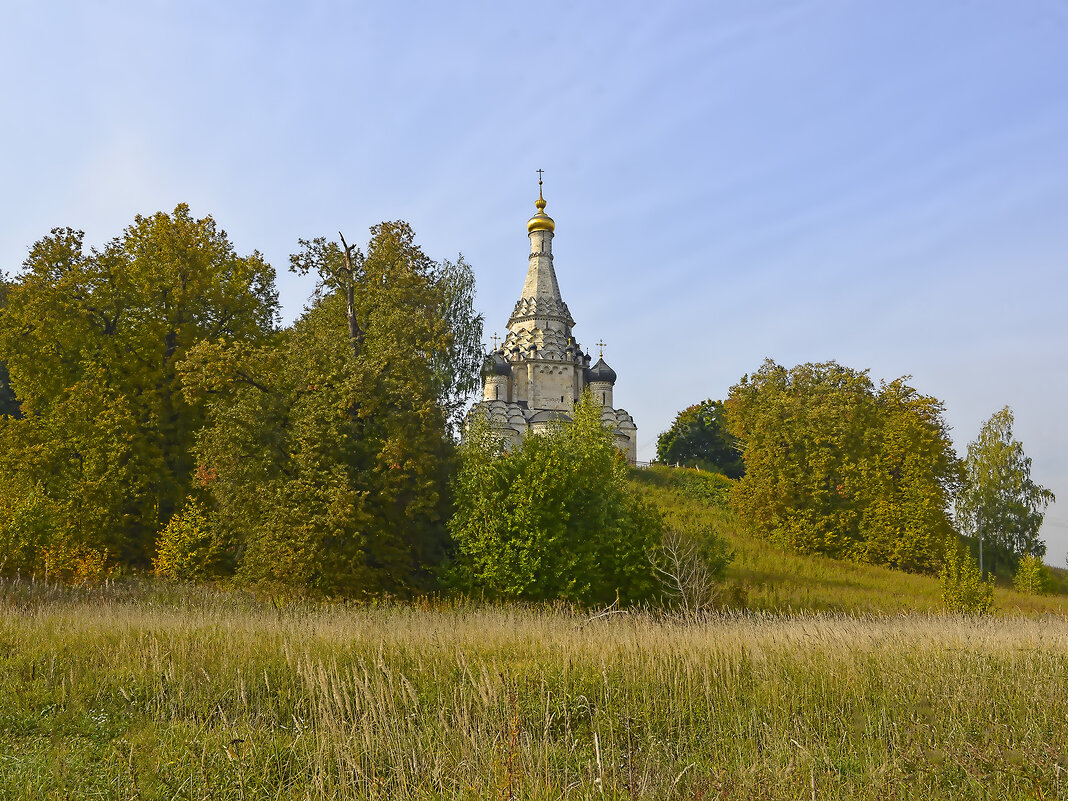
{"points": [[554, 519], [1032, 577], [963, 588], [189, 549]]}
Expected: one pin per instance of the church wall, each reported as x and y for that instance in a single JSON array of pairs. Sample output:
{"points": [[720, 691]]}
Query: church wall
{"points": [[496, 388], [602, 392], [551, 383], [628, 445]]}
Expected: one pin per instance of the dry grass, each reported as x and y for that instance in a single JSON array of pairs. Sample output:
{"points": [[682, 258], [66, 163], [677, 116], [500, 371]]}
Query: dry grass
{"points": [[157, 692]]}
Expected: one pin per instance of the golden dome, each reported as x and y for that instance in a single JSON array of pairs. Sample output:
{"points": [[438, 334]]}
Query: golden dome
{"points": [[540, 221]]}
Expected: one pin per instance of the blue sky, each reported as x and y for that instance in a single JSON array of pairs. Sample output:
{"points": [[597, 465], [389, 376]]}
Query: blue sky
{"points": [[884, 184]]}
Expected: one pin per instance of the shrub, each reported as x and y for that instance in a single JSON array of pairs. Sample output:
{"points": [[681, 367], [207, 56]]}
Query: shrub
{"points": [[1032, 577], [690, 566], [555, 519], [963, 588], [74, 563], [188, 548]]}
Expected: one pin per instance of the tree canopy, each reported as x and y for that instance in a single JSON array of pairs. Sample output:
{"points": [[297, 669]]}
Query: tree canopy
{"points": [[326, 456], [838, 467], [553, 519], [91, 339], [999, 504], [699, 438]]}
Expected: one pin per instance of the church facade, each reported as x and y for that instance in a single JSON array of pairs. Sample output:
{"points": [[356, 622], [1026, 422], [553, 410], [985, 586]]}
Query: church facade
{"points": [[539, 371]]}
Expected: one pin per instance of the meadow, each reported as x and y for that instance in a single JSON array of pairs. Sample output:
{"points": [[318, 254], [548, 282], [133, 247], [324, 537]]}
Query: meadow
{"points": [[815, 679], [153, 691]]}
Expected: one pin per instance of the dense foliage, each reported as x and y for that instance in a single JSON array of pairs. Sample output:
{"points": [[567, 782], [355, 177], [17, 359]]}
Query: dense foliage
{"points": [[327, 454], [699, 438], [999, 505], [102, 457], [838, 467], [553, 519]]}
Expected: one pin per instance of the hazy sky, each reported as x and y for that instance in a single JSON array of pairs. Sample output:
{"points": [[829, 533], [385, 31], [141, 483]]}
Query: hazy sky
{"points": [[880, 183]]}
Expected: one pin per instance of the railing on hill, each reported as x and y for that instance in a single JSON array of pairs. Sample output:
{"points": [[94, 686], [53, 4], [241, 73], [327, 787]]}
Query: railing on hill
{"points": [[645, 465]]}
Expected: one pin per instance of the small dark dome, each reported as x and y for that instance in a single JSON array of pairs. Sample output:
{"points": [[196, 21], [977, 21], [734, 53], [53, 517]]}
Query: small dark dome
{"points": [[602, 372], [495, 364]]}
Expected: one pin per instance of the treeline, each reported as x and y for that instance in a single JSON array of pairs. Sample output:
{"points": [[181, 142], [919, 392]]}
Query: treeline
{"points": [[156, 415], [828, 462]]}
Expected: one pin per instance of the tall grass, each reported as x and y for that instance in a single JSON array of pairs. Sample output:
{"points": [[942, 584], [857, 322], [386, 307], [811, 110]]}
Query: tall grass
{"points": [[160, 692]]}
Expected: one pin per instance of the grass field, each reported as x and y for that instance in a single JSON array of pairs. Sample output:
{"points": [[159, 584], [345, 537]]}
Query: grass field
{"points": [[150, 691], [838, 681]]}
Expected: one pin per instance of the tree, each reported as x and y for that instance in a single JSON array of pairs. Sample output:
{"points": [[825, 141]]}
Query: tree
{"points": [[837, 467], [699, 438], [457, 369], [999, 505], [1032, 576], [92, 340], [963, 587], [9, 404], [327, 457], [342, 269], [554, 519], [690, 566], [911, 474]]}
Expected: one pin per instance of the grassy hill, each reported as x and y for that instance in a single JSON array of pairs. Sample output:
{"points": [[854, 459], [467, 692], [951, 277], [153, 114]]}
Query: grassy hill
{"points": [[774, 579]]}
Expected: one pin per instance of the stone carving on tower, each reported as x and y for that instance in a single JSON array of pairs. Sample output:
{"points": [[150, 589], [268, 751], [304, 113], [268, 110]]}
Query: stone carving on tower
{"points": [[539, 371]]}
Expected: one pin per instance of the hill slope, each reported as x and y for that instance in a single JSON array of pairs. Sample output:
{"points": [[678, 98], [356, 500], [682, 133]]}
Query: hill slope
{"points": [[774, 579]]}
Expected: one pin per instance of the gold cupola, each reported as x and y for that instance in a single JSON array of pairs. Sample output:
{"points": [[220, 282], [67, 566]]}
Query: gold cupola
{"points": [[540, 221]]}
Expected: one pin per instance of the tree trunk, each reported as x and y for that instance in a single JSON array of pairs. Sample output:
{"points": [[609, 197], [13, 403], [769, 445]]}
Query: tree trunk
{"points": [[355, 332]]}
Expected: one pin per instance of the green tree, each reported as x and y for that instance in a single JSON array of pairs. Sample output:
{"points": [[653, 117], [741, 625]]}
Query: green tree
{"points": [[963, 587], [999, 505], [1032, 576], [699, 438], [327, 455], [457, 369], [837, 467], [91, 340], [342, 269], [911, 473], [553, 520]]}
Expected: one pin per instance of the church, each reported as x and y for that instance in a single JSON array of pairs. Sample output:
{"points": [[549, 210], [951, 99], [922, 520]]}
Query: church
{"points": [[539, 371]]}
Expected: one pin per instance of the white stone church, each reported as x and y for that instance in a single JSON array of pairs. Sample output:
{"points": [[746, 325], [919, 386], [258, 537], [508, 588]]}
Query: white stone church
{"points": [[540, 371]]}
